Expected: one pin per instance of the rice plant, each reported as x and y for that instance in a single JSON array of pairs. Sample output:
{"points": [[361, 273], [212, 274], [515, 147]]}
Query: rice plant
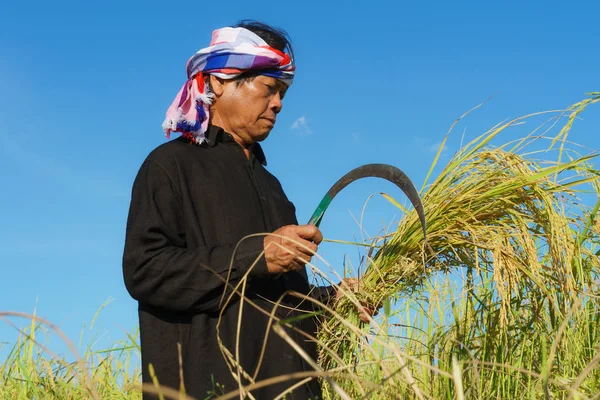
{"points": [[32, 371], [523, 320]]}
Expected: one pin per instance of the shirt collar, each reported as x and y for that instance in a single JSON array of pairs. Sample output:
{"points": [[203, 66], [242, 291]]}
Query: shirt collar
{"points": [[216, 134]]}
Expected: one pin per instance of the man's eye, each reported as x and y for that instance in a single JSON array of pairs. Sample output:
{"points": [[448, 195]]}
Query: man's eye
{"points": [[273, 89]]}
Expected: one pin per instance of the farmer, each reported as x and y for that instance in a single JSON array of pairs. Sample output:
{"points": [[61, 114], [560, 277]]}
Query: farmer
{"points": [[196, 202]]}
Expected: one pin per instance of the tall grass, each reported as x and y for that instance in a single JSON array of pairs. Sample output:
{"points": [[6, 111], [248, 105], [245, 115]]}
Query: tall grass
{"points": [[500, 302], [523, 320], [32, 371]]}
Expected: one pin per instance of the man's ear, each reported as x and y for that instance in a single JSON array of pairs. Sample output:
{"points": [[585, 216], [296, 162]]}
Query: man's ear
{"points": [[217, 85]]}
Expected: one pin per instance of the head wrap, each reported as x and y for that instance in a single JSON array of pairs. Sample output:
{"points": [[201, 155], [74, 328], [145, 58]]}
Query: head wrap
{"points": [[232, 52]]}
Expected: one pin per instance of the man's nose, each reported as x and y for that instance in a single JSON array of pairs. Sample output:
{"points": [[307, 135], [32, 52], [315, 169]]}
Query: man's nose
{"points": [[276, 104]]}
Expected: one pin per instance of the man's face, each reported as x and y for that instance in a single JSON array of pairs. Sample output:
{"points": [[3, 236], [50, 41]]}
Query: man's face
{"points": [[249, 109]]}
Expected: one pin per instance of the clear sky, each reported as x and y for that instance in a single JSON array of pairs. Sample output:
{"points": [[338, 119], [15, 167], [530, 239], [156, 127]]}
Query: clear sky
{"points": [[84, 87]]}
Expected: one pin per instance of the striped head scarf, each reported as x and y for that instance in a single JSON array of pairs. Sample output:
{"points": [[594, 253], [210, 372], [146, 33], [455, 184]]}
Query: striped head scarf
{"points": [[232, 52]]}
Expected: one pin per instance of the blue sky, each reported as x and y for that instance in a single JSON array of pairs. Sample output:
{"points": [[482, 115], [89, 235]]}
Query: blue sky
{"points": [[84, 87]]}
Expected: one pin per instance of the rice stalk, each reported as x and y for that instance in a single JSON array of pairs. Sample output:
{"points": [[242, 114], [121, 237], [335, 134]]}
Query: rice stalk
{"points": [[514, 226]]}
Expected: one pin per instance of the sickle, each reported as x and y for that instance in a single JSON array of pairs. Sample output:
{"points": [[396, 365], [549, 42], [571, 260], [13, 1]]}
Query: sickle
{"points": [[384, 171]]}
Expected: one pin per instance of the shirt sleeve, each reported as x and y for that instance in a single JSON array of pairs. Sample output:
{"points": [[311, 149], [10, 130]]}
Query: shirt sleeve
{"points": [[323, 294], [160, 270]]}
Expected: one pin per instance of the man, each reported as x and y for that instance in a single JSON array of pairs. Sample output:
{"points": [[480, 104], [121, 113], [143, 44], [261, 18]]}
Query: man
{"points": [[196, 210]]}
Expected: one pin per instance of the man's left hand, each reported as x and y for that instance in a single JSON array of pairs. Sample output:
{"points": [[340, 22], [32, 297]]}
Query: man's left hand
{"points": [[353, 285]]}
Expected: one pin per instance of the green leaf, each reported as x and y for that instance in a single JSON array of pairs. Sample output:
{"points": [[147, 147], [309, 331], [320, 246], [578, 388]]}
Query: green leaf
{"points": [[394, 202]]}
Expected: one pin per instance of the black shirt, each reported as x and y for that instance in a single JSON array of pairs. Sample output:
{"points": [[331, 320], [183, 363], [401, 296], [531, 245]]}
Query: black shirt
{"points": [[191, 207]]}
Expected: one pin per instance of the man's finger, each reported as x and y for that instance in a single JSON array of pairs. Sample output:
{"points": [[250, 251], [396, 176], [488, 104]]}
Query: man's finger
{"points": [[309, 232], [305, 257], [299, 262], [307, 247], [299, 242], [365, 313], [350, 284]]}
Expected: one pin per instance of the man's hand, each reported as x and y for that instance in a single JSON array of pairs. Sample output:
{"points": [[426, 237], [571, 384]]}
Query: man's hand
{"points": [[290, 247], [353, 285]]}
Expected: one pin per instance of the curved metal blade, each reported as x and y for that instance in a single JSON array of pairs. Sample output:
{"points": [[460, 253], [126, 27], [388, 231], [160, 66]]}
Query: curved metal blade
{"points": [[385, 171]]}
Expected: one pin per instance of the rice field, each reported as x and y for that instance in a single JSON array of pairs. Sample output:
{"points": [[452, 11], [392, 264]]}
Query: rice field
{"points": [[499, 302]]}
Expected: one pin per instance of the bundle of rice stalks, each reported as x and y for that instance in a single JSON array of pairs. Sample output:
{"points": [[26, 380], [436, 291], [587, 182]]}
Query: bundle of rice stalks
{"points": [[529, 251]]}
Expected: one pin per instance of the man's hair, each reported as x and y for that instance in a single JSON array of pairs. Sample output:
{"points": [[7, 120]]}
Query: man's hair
{"points": [[275, 37]]}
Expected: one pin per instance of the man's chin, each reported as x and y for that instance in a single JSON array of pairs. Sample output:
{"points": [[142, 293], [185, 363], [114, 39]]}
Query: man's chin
{"points": [[262, 136]]}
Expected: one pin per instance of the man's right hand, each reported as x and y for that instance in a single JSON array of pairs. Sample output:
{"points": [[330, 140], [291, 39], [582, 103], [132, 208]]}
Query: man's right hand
{"points": [[290, 247]]}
